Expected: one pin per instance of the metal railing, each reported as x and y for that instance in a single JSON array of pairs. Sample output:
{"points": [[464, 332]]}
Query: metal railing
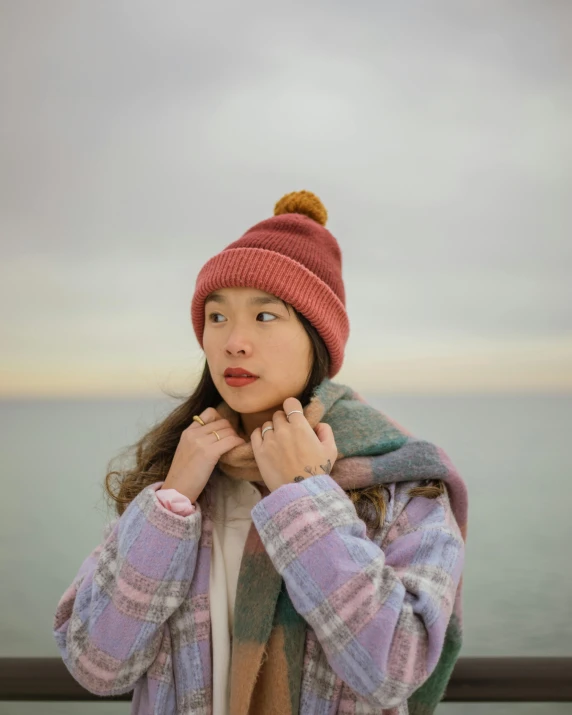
{"points": [[474, 680]]}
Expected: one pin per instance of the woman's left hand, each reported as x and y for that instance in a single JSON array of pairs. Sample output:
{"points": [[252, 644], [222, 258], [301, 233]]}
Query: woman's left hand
{"points": [[292, 450]]}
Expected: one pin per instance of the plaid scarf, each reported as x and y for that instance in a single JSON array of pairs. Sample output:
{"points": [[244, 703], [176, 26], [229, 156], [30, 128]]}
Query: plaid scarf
{"points": [[269, 635]]}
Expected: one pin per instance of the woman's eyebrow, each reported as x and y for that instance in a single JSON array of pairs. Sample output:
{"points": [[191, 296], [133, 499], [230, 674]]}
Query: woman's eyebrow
{"points": [[256, 300]]}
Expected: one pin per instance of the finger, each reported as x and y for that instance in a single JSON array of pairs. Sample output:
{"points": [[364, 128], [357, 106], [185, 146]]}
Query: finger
{"points": [[256, 440], [222, 433], [210, 415], [268, 433], [226, 444], [279, 420], [293, 403], [209, 426], [324, 433], [326, 436]]}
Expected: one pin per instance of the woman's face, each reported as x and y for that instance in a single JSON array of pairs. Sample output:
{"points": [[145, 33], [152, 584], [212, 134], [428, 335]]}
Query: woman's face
{"points": [[250, 329]]}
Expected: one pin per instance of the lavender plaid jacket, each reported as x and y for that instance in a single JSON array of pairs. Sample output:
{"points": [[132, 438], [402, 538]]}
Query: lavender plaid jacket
{"points": [[136, 616]]}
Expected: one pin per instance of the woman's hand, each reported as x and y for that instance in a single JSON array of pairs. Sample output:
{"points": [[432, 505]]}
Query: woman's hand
{"points": [[197, 453], [292, 450]]}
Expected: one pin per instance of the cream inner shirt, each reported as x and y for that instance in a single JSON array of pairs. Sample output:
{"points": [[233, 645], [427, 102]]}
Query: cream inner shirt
{"points": [[233, 502]]}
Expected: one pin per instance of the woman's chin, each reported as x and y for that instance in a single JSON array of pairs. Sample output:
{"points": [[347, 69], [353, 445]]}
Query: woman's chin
{"points": [[239, 400]]}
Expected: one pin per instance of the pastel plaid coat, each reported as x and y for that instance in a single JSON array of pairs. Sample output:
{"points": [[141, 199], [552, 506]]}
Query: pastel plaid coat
{"points": [[136, 616]]}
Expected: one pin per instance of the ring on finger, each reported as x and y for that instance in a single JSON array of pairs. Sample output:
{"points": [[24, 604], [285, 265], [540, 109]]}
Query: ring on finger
{"points": [[217, 434], [292, 412], [198, 419], [265, 429]]}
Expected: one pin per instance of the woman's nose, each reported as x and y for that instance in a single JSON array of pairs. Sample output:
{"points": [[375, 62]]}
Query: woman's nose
{"points": [[237, 344]]}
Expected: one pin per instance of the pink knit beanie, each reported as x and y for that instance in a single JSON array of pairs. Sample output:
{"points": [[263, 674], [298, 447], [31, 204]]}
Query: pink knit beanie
{"points": [[293, 256]]}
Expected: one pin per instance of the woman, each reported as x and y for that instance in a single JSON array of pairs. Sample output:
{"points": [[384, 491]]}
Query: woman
{"points": [[281, 546]]}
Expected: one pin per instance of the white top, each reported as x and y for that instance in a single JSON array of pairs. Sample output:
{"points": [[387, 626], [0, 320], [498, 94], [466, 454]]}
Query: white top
{"points": [[234, 499]]}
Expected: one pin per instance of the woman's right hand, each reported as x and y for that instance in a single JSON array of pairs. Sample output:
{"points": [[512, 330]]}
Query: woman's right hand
{"points": [[198, 452]]}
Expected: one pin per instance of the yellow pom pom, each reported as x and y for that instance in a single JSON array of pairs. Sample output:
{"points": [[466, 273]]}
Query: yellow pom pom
{"points": [[302, 202]]}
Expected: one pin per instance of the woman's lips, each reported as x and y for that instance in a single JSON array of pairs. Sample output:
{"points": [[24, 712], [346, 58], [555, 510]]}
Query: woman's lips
{"points": [[239, 381]]}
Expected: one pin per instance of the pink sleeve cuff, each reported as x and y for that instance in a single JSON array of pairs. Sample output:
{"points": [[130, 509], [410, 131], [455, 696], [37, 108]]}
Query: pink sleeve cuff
{"points": [[176, 502]]}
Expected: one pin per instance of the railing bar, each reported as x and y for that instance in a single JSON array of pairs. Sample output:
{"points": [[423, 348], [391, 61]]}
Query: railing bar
{"points": [[477, 680]]}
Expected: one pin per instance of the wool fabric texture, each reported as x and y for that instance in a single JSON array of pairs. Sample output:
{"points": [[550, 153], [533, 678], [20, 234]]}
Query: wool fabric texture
{"points": [[293, 256], [269, 633], [329, 617]]}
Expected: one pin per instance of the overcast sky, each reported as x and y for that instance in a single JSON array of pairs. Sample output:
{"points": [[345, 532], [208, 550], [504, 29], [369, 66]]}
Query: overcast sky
{"points": [[138, 139]]}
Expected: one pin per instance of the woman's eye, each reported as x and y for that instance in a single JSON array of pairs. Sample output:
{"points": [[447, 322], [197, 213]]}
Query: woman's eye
{"points": [[213, 317]]}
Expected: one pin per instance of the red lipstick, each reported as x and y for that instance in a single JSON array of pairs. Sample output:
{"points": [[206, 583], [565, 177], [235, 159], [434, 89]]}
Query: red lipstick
{"points": [[238, 377]]}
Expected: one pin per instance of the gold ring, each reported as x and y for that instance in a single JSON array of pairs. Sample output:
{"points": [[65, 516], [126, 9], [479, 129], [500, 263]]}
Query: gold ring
{"points": [[217, 434], [196, 418]]}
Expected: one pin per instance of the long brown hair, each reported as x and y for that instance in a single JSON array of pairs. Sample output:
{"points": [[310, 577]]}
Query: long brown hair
{"points": [[154, 451]]}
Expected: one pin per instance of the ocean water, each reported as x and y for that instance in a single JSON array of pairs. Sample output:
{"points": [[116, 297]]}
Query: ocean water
{"points": [[512, 450]]}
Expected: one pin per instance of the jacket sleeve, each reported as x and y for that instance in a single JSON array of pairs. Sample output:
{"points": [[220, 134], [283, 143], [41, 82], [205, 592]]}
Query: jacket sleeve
{"points": [[379, 615], [174, 501], [109, 623]]}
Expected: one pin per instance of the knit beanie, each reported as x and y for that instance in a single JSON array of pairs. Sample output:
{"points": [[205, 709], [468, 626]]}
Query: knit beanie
{"points": [[293, 256]]}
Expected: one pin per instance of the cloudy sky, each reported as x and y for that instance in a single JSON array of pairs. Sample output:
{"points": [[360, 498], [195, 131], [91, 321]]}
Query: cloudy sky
{"points": [[137, 139]]}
